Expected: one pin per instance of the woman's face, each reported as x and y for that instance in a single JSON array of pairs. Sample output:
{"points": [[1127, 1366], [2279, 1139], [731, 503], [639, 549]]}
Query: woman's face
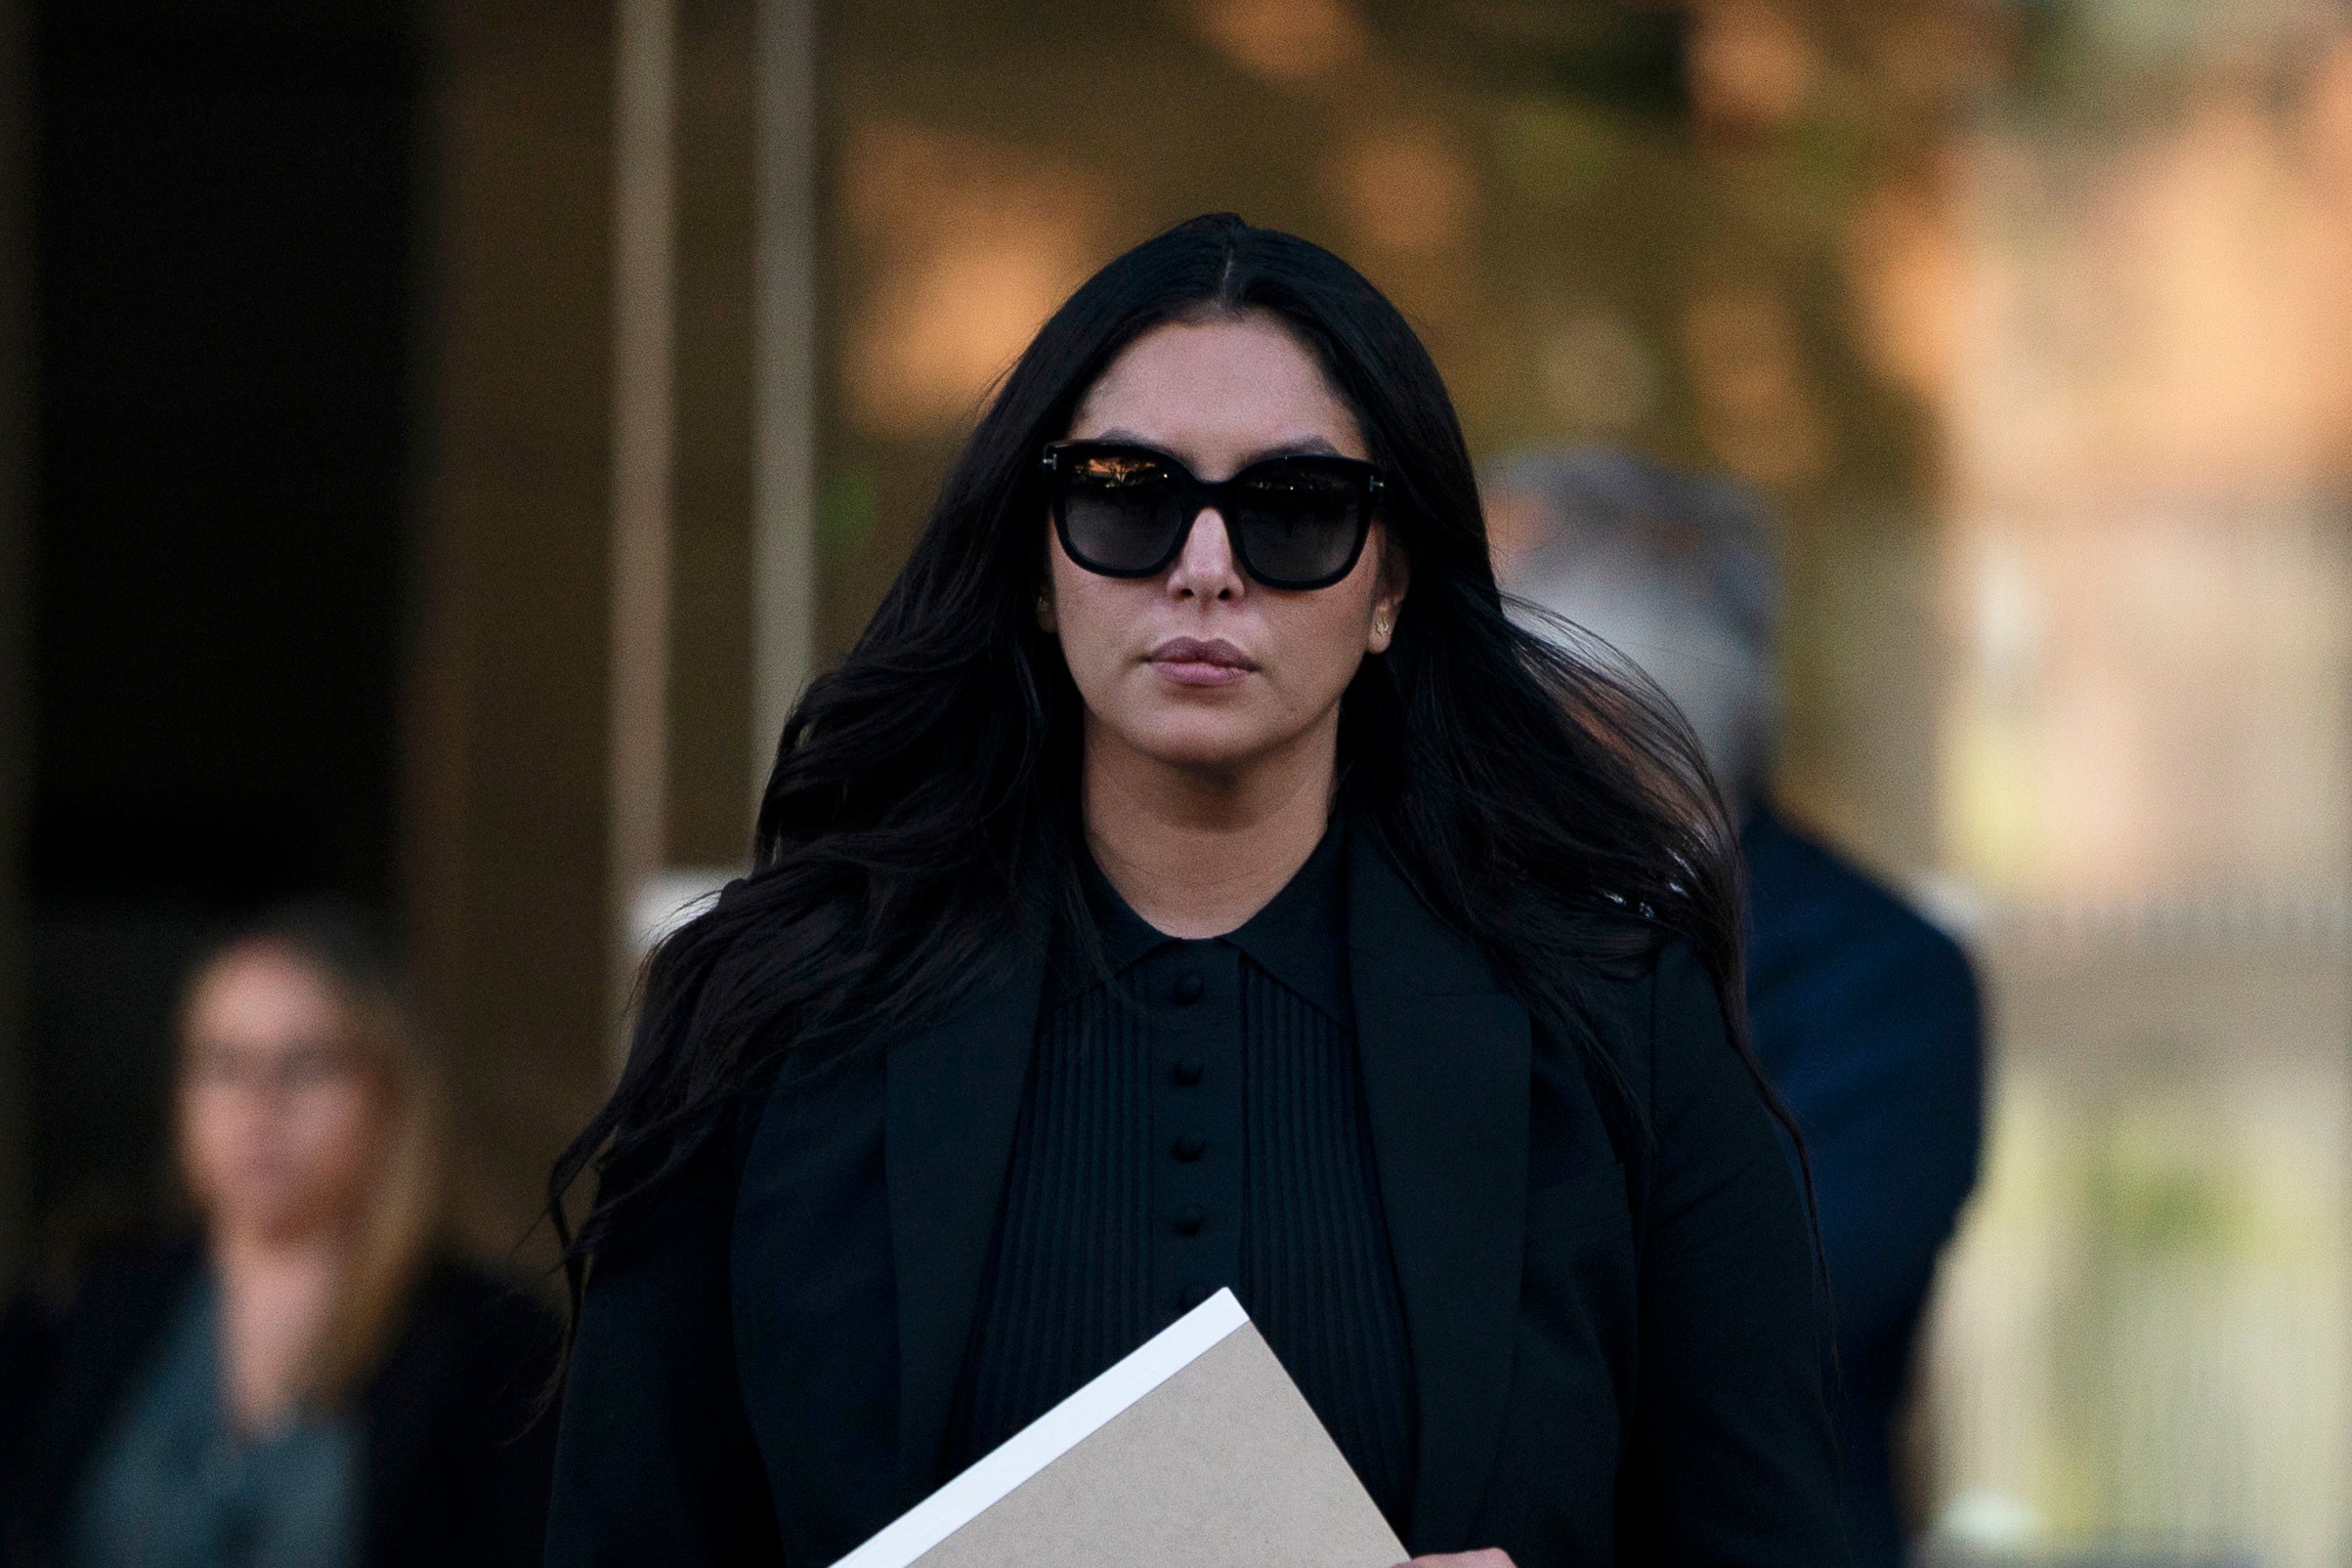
{"points": [[1218, 395], [280, 1117]]}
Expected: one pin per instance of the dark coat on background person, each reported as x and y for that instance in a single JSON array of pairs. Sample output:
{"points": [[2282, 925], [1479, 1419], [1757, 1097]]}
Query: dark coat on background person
{"points": [[1866, 1017], [25, 1350], [1615, 1336], [455, 1453]]}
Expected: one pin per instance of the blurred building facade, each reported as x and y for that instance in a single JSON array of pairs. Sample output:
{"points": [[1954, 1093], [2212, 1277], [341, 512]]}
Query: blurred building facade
{"points": [[2146, 781], [457, 429]]}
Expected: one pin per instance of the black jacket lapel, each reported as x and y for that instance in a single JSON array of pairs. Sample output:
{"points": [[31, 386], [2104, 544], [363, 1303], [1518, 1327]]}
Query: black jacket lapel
{"points": [[1445, 1064], [954, 1097]]}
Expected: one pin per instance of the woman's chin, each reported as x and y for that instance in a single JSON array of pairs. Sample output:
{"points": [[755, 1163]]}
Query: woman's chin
{"points": [[274, 1219], [1219, 743]]}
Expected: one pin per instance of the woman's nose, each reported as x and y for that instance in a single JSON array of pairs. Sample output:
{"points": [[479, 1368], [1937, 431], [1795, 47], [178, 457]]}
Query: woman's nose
{"points": [[1205, 568]]}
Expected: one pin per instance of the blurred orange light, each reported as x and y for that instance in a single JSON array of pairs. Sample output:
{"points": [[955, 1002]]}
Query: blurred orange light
{"points": [[1288, 41], [972, 246], [1407, 190], [1750, 64]]}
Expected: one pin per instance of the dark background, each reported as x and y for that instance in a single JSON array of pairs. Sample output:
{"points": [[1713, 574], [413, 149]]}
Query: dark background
{"points": [[226, 207]]}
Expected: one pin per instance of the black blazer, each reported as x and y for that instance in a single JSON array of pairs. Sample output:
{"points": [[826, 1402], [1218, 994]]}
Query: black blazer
{"points": [[456, 1455], [1614, 1350]]}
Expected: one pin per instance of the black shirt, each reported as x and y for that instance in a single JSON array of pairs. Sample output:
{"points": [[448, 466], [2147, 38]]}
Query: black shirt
{"points": [[1197, 1121]]}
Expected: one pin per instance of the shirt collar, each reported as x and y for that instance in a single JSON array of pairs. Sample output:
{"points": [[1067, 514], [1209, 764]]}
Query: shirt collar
{"points": [[1299, 938], [1301, 935]]}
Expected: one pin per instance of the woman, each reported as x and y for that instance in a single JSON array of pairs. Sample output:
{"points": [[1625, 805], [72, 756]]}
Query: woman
{"points": [[1191, 880], [310, 1382]]}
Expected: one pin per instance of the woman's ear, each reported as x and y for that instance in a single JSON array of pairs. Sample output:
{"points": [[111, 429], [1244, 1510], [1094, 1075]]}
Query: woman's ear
{"points": [[1388, 597]]}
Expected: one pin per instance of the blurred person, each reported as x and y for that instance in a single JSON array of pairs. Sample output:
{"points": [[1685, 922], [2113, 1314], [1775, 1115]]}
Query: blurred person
{"points": [[1193, 879], [310, 1378], [1864, 1015]]}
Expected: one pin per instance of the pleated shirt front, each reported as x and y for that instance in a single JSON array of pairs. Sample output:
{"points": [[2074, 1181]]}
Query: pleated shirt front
{"points": [[1196, 1120]]}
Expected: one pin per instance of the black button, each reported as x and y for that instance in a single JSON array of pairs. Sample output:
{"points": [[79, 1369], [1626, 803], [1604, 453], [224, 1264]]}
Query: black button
{"points": [[1188, 1070], [1193, 1294], [1188, 991], [1191, 1146], [1190, 1221]]}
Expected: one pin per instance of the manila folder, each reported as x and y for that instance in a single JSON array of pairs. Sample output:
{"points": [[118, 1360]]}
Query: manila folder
{"points": [[1195, 1451]]}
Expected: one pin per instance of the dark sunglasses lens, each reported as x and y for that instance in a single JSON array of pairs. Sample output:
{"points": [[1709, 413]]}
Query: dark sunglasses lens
{"points": [[1299, 525], [1119, 513]]}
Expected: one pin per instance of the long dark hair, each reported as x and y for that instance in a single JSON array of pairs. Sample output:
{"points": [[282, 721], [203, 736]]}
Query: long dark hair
{"points": [[924, 794]]}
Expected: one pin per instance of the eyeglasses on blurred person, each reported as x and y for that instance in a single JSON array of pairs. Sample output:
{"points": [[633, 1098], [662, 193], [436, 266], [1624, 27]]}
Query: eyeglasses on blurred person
{"points": [[1866, 1016], [1193, 879], [308, 1378]]}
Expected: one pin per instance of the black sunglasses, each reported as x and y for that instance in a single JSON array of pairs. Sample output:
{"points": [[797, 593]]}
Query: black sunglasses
{"points": [[1125, 511]]}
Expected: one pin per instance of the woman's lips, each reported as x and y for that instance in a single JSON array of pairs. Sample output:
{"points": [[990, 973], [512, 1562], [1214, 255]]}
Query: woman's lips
{"points": [[1191, 661]]}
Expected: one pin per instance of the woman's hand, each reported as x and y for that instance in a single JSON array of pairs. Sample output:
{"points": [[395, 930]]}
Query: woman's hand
{"points": [[1491, 1557]]}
